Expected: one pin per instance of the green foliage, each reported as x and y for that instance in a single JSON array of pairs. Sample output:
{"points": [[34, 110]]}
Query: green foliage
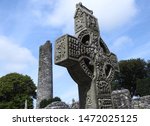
{"points": [[148, 68], [15, 89], [46, 102], [56, 99], [143, 87], [115, 83], [130, 71], [115, 86]]}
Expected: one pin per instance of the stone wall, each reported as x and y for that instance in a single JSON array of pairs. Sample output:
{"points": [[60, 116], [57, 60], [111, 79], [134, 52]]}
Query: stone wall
{"points": [[121, 99], [141, 103], [57, 105]]}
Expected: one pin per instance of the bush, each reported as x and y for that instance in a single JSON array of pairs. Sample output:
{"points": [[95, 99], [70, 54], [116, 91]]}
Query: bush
{"points": [[46, 102]]}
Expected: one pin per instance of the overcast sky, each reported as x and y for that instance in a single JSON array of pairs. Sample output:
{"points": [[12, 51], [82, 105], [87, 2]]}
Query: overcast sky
{"points": [[27, 24]]}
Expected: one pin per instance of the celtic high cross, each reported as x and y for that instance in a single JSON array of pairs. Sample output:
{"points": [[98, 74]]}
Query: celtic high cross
{"points": [[88, 60]]}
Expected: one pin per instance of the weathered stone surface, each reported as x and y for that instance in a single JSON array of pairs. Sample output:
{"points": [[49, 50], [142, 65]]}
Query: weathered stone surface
{"points": [[121, 99], [45, 81], [88, 60], [57, 105], [142, 102], [75, 105]]}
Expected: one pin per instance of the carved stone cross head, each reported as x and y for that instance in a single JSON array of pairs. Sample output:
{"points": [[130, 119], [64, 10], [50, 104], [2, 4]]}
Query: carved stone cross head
{"points": [[88, 60]]}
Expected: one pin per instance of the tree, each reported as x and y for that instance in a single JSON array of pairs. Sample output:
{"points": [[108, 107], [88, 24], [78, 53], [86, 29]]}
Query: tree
{"points": [[143, 87], [130, 71], [15, 89], [148, 68]]}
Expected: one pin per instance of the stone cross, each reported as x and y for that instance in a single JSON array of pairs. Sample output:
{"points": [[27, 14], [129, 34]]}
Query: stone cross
{"points": [[88, 60]]}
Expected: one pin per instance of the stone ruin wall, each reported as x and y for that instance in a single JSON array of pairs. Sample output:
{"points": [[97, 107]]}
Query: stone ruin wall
{"points": [[141, 103], [122, 100]]}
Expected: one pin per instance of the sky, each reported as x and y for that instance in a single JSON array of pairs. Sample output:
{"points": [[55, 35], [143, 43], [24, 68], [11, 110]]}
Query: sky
{"points": [[27, 24]]}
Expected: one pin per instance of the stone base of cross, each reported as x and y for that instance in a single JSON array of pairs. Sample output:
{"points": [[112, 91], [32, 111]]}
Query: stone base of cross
{"points": [[88, 60]]}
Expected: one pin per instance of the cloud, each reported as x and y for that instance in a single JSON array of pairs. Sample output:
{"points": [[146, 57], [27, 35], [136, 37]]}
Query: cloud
{"points": [[121, 46], [15, 58], [58, 72], [140, 51], [121, 43], [126, 47], [111, 14]]}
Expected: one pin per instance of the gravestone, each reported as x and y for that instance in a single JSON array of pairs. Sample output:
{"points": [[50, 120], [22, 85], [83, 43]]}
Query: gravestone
{"points": [[45, 82], [88, 60], [121, 99]]}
